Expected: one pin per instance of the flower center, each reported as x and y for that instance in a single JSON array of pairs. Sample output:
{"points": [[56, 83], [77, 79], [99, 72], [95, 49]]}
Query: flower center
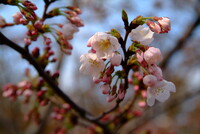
{"points": [[159, 90], [94, 62], [104, 44]]}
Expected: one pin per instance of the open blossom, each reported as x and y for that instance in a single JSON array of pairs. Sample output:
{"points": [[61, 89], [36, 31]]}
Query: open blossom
{"points": [[142, 34], [91, 64], [104, 44], [159, 91], [152, 55], [116, 59], [68, 30], [165, 24]]}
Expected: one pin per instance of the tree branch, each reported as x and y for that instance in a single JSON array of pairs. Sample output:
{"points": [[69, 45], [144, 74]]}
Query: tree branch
{"points": [[180, 44], [25, 54]]}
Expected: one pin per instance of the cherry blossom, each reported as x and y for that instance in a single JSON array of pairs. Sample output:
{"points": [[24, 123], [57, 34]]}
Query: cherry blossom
{"points": [[155, 27], [160, 91], [68, 30], [104, 44], [91, 64], [142, 34], [116, 59], [149, 80], [152, 55], [17, 17], [165, 24]]}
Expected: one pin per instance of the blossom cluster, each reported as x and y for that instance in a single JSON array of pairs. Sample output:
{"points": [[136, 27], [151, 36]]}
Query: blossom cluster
{"points": [[37, 26], [105, 48]]}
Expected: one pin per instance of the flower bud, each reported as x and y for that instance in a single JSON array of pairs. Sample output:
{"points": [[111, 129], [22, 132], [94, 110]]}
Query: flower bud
{"points": [[149, 80], [16, 18], [116, 59], [105, 88], [154, 26], [152, 55], [165, 24]]}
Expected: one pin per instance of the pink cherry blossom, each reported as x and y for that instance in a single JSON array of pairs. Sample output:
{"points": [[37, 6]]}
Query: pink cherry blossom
{"points": [[91, 64], [68, 30], [156, 71], [104, 44], [165, 24], [149, 80], [116, 59], [154, 26], [142, 34], [16, 17], [152, 55]]}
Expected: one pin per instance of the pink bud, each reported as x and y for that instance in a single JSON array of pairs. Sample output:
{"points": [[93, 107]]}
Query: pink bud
{"points": [[47, 41], [154, 26], [38, 24], [96, 80], [27, 41], [105, 88], [156, 71], [116, 59], [16, 17], [149, 80], [140, 56], [152, 55], [165, 24], [29, 4], [142, 103]]}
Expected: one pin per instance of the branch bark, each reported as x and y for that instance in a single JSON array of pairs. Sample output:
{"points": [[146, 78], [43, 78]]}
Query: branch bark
{"points": [[25, 54]]}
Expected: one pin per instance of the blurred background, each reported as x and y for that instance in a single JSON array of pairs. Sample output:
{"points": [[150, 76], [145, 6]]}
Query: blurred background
{"points": [[181, 64]]}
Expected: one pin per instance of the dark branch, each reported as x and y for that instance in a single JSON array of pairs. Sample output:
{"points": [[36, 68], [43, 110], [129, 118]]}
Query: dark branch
{"points": [[181, 43], [25, 54]]}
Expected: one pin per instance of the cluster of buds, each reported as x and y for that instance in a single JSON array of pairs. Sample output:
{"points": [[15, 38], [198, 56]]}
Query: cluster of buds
{"points": [[23, 88], [139, 56], [60, 112], [46, 57]]}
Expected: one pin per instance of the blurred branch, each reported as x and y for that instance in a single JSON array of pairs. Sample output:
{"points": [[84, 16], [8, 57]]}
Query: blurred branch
{"points": [[25, 54], [159, 109], [182, 41]]}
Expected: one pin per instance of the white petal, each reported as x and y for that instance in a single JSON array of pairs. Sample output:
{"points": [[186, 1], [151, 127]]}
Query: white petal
{"points": [[163, 96], [151, 101], [170, 86]]}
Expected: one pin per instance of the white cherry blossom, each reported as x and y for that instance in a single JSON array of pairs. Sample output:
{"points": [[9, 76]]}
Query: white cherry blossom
{"points": [[160, 91], [104, 44], [142, 34], [91, 64]]}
